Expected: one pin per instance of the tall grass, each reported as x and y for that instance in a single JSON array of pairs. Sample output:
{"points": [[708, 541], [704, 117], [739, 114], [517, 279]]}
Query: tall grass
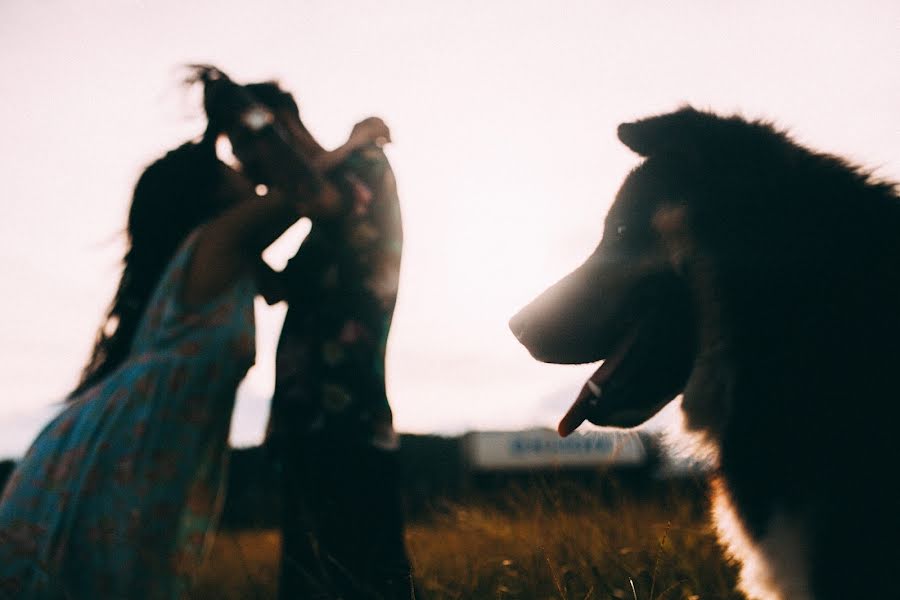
{"points": [[242, 564], [567, 544], [535, 542]]}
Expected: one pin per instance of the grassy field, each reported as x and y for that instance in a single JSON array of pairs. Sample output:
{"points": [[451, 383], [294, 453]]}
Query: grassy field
{"points": [[538, 542]]}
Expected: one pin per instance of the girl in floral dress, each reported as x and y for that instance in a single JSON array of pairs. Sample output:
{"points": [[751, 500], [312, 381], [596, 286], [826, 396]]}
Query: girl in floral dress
{"points": [[119, 494]]}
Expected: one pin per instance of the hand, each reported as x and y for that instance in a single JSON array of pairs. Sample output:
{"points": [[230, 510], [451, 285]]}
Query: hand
{"points": [[369, 131], [234, 186], [327, 203], [272, 150]]}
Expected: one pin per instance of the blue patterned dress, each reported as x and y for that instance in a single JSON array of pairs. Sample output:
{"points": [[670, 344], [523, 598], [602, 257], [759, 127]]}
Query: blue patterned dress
{"points": [[119, 494]]}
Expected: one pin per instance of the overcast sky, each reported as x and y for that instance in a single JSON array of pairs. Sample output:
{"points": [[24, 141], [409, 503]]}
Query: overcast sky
{"points": [[503, 115]]}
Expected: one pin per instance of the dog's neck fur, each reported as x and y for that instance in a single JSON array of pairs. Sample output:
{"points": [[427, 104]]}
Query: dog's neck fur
{"points": [[793, 261], [776, 391]]}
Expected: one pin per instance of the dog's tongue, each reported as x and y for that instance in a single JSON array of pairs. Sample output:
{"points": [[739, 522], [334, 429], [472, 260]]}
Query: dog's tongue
{"points": [[590, 394]]}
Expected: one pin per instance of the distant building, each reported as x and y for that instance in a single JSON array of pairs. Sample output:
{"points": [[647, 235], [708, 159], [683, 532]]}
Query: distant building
{"points": [[539, 449]]}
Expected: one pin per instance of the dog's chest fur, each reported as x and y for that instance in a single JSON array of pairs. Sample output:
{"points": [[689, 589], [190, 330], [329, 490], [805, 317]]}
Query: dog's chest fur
{"points": [[775, 565]]}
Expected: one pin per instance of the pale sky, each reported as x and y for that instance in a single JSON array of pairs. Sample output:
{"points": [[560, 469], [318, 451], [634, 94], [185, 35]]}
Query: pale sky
{"points": [[503, 115]]}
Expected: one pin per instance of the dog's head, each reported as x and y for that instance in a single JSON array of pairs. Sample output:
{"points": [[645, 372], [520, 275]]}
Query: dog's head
{"points": [[632, 303]]}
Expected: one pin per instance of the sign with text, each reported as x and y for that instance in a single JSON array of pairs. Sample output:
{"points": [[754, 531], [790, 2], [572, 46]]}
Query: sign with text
{"points": [[544, 448]]}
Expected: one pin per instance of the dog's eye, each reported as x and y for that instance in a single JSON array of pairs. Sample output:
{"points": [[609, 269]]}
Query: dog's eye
{"points": [[620, 230]]}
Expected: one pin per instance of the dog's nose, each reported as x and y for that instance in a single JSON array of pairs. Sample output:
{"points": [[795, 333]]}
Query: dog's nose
{"points": [[518, 326]]}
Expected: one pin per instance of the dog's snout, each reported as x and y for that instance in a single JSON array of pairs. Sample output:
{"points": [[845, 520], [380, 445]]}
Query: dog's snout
{"points": [[518, 325]]}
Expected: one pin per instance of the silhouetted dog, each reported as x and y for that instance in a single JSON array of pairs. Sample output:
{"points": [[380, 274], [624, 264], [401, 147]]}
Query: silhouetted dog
{"points": [[761, 280]]}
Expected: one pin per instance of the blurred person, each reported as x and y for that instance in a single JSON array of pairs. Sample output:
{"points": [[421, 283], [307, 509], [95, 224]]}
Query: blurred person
{"points": [[119, 494], [331, 426]]}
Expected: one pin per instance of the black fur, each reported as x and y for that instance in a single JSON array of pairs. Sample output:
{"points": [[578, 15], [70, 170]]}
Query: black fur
{"points": [[786, 264]]}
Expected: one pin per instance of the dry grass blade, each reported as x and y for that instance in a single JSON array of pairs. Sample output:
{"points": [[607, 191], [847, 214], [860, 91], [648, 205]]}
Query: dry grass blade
{"points": [[556, 581], [659, 551]]}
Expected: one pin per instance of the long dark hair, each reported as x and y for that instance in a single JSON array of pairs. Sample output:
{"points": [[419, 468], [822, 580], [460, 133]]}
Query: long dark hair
{"points": [[223, 106], [173, 196]]}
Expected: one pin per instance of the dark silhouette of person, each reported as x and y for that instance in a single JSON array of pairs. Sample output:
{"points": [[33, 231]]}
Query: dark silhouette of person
{"points": [[330, 429]]}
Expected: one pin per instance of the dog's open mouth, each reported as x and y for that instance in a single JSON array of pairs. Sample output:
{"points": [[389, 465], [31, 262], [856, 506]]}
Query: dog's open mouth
{"points": [[588, 403], [646, 340], [647, 368]]}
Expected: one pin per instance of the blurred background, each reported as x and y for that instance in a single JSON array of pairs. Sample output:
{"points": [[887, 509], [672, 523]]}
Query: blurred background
{"points": [[503, 116]]}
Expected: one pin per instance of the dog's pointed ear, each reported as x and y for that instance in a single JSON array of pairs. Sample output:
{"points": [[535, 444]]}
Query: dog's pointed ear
{"points": [[677, 132]]}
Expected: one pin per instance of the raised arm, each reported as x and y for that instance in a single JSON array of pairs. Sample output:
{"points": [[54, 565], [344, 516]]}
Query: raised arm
{"points": [[368, 131], [229, 246]]}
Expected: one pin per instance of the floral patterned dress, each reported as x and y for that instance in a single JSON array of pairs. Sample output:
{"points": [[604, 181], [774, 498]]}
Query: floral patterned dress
{"points": [[119, 494], [342, 288], [330, 431]]}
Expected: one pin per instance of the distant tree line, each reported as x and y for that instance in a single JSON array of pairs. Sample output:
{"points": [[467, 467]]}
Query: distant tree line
{"points": [[434, 472], [432, 467]]}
